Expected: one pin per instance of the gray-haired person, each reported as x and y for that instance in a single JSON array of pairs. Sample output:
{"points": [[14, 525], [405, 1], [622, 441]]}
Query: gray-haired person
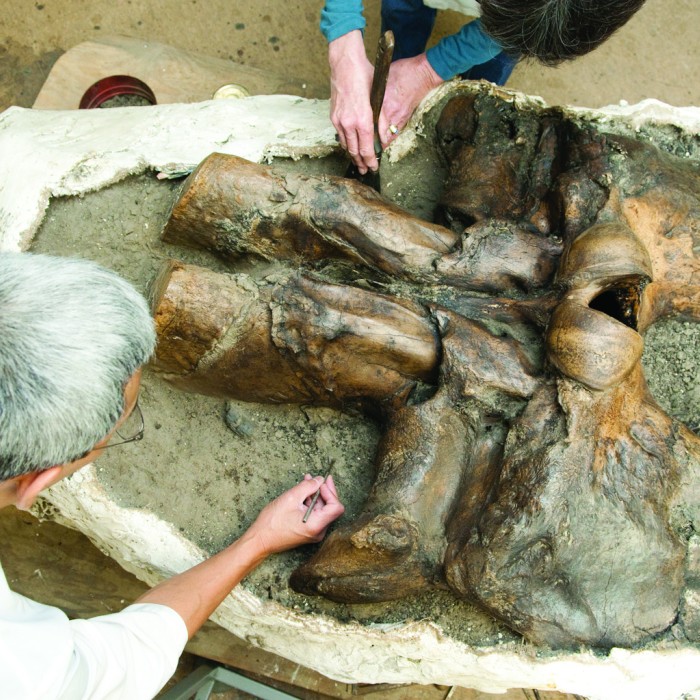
{"points": [[73, 338]]}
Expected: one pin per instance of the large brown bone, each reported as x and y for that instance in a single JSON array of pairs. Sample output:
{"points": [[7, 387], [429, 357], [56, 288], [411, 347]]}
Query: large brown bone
{"points": [[587, 475], [538, 479], [397, 544], [577, 546], [233, 207], [299, 341], [658, 197], [430, 457], [592, 335], [531, 168], [538, 557], [541, 172], [502, 163]]}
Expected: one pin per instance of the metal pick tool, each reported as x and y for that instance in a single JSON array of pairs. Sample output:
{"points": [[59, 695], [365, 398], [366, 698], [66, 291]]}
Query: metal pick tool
{"points": [[316, 495]]}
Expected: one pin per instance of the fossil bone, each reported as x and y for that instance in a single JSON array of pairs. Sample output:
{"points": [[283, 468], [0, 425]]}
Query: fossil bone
{"points": [[524, 464]]}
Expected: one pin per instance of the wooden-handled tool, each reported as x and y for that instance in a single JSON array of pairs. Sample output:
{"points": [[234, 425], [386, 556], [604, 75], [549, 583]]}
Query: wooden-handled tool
{"points": [[382, 63]]}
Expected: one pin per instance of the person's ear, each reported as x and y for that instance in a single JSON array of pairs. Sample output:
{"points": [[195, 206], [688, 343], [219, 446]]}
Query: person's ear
{"points": [[29, 486]]}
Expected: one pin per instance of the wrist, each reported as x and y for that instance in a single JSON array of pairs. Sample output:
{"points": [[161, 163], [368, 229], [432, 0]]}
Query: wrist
{"points": [[430, 75], [253, 546], [349, 46]]}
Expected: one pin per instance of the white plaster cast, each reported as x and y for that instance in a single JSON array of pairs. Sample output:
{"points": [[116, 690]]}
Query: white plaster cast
{"points": [[631, 117], [55, 153], [48, 154]]}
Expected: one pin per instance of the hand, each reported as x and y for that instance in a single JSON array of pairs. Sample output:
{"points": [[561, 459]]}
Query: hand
{"points": [[280, 524], [351, 114], [410, 80]]}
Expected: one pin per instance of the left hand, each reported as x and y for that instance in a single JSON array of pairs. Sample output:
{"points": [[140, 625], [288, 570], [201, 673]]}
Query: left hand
{"points": [[410, 80], [351, 114]]}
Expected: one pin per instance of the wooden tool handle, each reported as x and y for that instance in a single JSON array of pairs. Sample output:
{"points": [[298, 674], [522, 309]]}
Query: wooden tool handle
{"points": [[385, 51]]}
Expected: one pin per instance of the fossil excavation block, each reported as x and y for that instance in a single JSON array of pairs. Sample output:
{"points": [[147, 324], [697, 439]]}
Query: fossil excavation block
{"points": [[430, 638], [524, 464]]}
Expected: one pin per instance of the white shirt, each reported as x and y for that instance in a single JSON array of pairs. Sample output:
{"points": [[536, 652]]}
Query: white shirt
{"points": [[128, 655], [465, 7]]}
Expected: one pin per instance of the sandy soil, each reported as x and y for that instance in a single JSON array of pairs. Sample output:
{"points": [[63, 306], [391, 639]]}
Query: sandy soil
{"points": [[655, 55]]}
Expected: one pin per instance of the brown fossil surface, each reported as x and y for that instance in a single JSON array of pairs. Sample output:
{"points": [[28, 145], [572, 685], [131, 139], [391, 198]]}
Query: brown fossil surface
{"points": [[524, 464], [298, 341], [233, 207]]}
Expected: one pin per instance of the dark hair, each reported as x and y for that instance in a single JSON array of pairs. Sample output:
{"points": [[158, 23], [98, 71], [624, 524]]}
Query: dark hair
{"points": [[553, 31]]}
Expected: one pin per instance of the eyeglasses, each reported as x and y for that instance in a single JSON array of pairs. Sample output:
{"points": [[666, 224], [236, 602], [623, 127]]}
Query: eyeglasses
{"points": [[134, 420]]}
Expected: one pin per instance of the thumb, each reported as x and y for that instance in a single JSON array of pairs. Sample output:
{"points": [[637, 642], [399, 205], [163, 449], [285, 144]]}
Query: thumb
{"points": [[306, 488]]}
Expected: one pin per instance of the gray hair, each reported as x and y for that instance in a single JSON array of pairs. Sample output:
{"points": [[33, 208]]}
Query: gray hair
{"points": [[553, 31], [71, 335]]}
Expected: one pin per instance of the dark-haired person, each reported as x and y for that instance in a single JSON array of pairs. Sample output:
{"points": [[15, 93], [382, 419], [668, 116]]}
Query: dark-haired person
{"points": [[550, 31], [73, 338]]}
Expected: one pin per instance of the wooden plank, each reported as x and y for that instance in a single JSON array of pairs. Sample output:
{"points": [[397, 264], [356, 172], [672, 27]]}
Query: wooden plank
{"points": [[61, 567], [214, 642], [172, 74]]}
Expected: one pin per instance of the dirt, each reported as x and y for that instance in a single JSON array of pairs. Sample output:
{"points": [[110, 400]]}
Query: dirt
{"points": [[642, 60], [22, 73], [208, 466], [125, 101]]}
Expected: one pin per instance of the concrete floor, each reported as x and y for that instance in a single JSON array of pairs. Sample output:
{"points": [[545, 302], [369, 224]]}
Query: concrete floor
{"points": [[655, 55]]}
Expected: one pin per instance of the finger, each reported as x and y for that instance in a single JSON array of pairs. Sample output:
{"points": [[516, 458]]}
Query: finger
{"points": [[366, 146], [370, 160], [383, 129], [342, 139], [328, 495], [307, 500], [325, 515], [306, 489], [354, 151], [390, 130]]}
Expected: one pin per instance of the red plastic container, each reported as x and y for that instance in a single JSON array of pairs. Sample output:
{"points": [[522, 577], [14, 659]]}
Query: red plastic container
{"points": [[114, 86]]}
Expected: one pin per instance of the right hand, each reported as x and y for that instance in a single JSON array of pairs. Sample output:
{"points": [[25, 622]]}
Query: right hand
{"points": [[410, 80], [280, 524], [351, 114]]}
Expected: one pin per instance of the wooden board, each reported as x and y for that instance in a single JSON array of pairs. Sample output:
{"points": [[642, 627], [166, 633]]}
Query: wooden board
{"points": [[172, 74], [58, 566]]}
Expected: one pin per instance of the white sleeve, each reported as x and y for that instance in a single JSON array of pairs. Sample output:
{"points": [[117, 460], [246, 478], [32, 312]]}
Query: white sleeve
{"points": [[125, 656]]}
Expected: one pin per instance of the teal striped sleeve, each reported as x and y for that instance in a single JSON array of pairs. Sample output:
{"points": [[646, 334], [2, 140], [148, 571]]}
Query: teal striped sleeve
{"points": [[339, 17], [455, 54]]}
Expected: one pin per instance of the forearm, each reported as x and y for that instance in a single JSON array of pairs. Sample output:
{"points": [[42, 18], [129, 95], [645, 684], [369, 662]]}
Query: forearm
{"points": [[456, 54], [196, 593], [339, 17]]}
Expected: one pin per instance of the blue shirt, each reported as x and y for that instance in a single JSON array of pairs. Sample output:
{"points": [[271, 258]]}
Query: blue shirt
{"points": [[454, 54]]}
